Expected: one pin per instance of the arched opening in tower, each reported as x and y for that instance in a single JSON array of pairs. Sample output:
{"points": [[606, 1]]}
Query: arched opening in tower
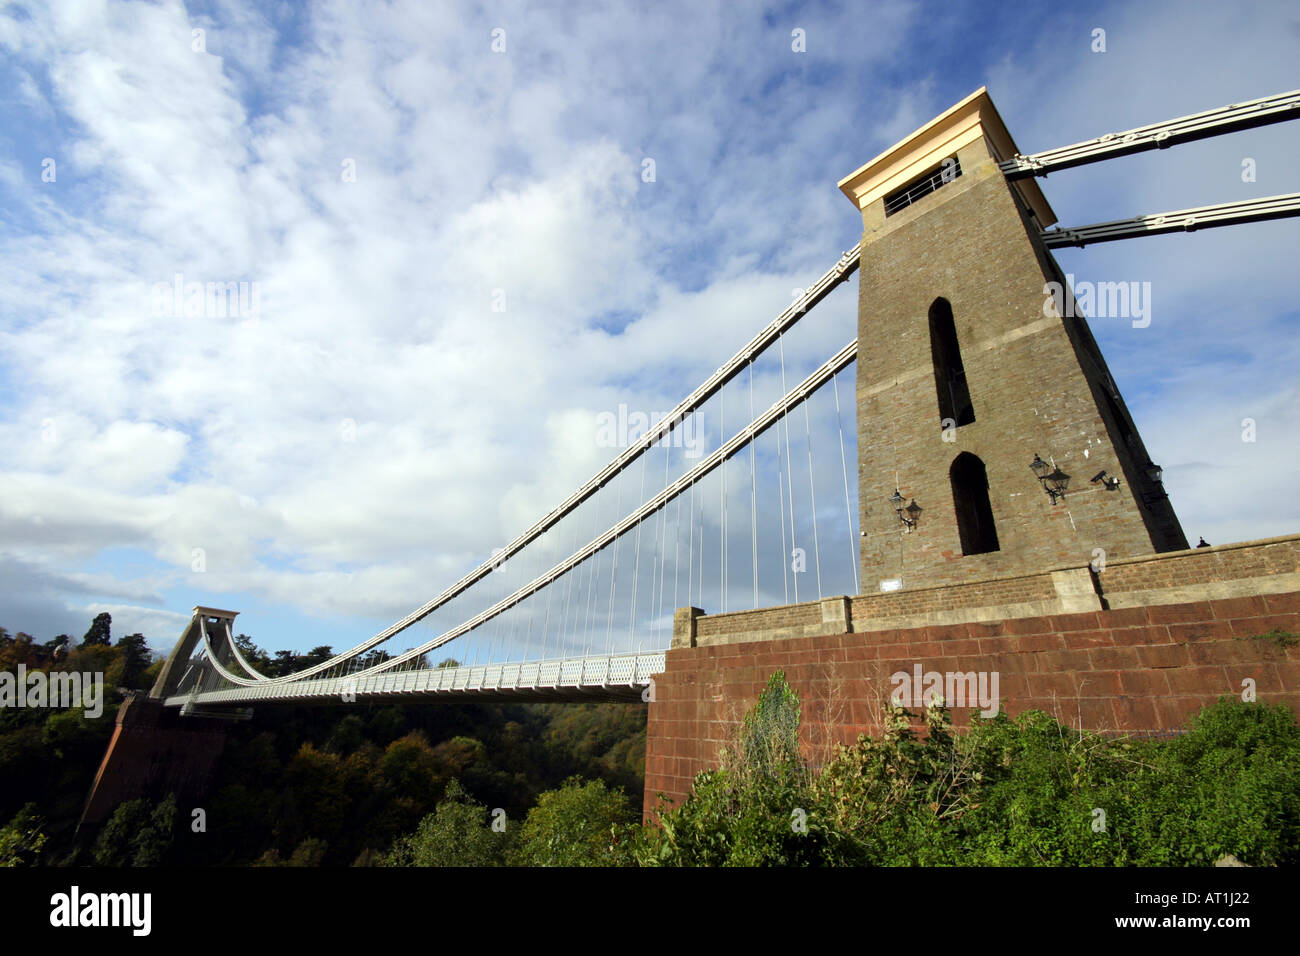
{"points": [[970, 496], [949, 373]]}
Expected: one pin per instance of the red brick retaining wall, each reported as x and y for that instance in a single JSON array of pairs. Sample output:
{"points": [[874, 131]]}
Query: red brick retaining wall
{"points": [[1136, 668]]}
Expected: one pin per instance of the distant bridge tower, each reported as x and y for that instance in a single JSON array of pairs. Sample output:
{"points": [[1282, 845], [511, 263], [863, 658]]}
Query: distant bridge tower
{"points": [[966, 373]]}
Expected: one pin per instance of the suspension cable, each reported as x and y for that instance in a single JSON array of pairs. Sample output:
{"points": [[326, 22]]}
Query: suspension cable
{"points": [[753, 488], [812, 495], [722, 504], [636, 564], [848, 507], [785, 418]]}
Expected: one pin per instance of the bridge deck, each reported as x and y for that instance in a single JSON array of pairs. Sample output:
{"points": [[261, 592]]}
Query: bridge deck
{"points": [[621, 677]]}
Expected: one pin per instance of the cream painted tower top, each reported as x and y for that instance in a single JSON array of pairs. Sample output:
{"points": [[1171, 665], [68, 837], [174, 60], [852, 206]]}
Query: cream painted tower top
{"points": [[972, 119]]}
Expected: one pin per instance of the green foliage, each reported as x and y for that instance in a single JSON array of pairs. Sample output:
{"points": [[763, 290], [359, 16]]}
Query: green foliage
{"points": [[888, 801], [1037, 788], [310, 852], [1279, 637], [133, 663], [1011, 792], [100, 631], [21, 840], [150, 675], [457, 833], [67, 731], [315, 785], [590, 740], [758, 809], [581, 824], [347, 736], [769, 741], [137, 835], [1230, 785]]}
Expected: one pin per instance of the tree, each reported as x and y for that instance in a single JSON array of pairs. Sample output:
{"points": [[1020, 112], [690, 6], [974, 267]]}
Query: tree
{"points": [[134, 660], [348, 734], [99, 630], [310, 852], [581, 824], [411, 769], [283, 664], [136, 835], [372, 658], [317, 655], [257, 658], [457, 833], [21, 840], [58, 648], [317, 782]]}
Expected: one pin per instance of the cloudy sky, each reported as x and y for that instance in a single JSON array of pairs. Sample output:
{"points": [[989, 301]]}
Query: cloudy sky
{"points": [[454, 260]]}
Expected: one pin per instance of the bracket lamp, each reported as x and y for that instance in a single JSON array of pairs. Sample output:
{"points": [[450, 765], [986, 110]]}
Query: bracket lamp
{"points": [[910, 515], [1155, 474], [1053, 480]]}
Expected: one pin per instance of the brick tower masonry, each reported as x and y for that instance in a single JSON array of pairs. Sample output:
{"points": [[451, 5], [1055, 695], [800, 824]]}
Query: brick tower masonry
{"points": [[1087, 606], [966, 373]]}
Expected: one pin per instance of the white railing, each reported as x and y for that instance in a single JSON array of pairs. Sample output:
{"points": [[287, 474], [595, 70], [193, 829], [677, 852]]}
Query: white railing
{"points": [[582, 676]]}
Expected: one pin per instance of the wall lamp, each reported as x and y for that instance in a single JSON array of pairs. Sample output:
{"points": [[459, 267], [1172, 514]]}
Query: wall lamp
{"points": [[1156, 476], [1110, 484], [1054, 480], [913, 511]]}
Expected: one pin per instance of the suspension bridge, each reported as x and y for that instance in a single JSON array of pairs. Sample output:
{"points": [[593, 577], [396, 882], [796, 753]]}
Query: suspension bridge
{"points": [[580, 605]]}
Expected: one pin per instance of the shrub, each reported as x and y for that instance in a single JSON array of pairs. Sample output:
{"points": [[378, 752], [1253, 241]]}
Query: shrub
{"points": [[1012, 792], [758, 809], [581, 824], [457, 833]]}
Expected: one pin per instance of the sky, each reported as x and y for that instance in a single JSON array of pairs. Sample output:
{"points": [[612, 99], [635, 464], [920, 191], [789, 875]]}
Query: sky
{"points": [[462, 232]]}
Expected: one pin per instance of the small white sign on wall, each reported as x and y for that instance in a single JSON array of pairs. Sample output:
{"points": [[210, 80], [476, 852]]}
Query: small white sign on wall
{"points": [[891, 584]]}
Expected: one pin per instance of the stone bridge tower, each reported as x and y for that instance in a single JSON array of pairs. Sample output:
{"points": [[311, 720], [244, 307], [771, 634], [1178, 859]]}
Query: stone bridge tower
{"points": [[967, 372]]}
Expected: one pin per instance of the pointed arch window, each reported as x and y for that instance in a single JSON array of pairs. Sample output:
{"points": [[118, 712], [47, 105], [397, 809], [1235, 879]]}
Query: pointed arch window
{"points": [[970, 497], [949, 372]]}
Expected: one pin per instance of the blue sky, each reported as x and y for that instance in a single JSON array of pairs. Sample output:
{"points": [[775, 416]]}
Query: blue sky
{"points": [[133, 438]]}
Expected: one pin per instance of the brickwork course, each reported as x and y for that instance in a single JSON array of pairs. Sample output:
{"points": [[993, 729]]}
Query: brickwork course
{"points": [[1168, 635]]}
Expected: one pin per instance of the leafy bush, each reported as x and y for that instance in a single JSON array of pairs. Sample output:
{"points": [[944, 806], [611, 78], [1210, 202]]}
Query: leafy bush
{"points": [[136, 835], [758, 809], [21, 840], [457, 833], [1011, 792], [581, 824]]}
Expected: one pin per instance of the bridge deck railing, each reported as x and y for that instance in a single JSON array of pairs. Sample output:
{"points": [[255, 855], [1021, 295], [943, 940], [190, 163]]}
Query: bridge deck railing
{"points": [[585, 673]]}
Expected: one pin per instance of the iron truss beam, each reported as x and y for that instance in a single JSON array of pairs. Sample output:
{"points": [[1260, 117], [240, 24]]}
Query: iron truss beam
{"points": [[1181, 220], [1226, 119]]}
